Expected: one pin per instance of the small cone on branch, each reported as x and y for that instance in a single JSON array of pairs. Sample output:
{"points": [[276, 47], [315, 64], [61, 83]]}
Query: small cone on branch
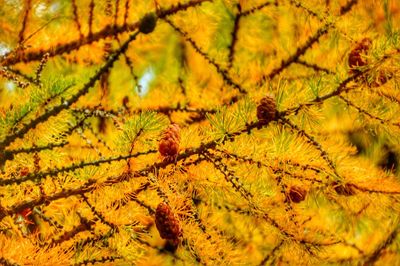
{"points": [[357, 55], [167, 224], [297, 194], [357, 59], [266, 110], [169, 143], [148, 23]]}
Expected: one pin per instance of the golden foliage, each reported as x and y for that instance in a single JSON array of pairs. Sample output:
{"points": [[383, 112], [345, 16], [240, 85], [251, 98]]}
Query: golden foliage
{"points": [[267, 131]]}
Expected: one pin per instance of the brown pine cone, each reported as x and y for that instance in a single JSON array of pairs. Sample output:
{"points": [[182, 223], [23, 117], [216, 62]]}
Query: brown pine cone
{"points": [[167, 224], [356, 56], [148, 23], [168, 147], [297, 194], [169, 143], [266, 110], [173, 132]]}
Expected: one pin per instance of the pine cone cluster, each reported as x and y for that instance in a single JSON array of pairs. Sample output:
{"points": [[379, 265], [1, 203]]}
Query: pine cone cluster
{"points": [[266, 110], [356, 56], [167, 224], [169, 143], [297, 194]]}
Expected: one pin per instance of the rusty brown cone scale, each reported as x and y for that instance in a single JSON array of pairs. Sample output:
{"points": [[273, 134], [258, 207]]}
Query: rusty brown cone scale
{"points": [[357, 55], [266, 110], [169, 143], [297, 194], [167, 224]]}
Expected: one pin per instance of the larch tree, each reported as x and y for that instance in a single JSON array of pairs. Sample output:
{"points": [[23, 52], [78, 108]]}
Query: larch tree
{"points": [[186, 132]]}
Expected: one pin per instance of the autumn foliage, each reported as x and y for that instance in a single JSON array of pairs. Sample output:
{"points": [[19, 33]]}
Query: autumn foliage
{"points": [[199, 132]]}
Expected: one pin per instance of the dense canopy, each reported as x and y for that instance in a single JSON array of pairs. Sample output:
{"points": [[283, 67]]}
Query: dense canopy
{"points": [[185, 132]]}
